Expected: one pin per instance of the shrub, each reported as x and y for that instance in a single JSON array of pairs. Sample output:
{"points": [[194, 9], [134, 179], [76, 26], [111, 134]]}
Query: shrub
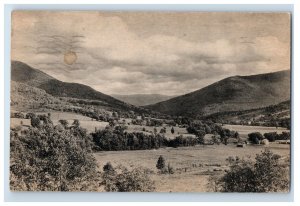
{"points": [[64, 123], [18, 115], [123, 180], [162, 130], [255, 137], [271, 136], [17, 128], [108, 167], [266, 174], [284, 136], [30, 115], [35, 122], [76, 123], [170, 169]]}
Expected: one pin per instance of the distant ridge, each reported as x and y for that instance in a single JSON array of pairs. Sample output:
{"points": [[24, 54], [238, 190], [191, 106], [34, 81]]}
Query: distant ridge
{"points": [[142, 99], [230, 94]]}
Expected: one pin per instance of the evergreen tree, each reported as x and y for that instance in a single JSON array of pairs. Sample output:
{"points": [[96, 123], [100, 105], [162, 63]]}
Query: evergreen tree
{"points": [[172, 130], [161, 163]]}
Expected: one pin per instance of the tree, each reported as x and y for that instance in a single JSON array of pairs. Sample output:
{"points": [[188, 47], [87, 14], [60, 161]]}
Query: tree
{"points": [[108, 167], [64, 123], [162, 130], [76, 123], [270, 175], [255, 137], [46, 159], [161, 163], [271, 136], [35, 122], [155, 130], [172, 130], [207, 129], [30, 115], [266, 174]]}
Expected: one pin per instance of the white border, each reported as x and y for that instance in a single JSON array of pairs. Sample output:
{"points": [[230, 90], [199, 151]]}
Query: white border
{"points": [[186, 197]]}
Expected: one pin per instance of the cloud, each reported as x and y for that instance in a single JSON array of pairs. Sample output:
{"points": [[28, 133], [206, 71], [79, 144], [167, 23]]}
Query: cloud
{"points": [[115, 58]]}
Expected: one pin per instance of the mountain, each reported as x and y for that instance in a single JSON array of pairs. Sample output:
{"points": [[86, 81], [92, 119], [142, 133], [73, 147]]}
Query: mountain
{"points": [[272, 115], [23, 73], [142, 99], [230, 94]]}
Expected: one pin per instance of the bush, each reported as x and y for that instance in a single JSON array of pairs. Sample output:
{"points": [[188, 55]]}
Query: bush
{"points": [[76, 123], [17, 115], [108, 167], [64, 123], [30, 115], [255, 137], [271, 136], [35, 122], [284, 136], [266, 174], [170, 169], [123, 180]]}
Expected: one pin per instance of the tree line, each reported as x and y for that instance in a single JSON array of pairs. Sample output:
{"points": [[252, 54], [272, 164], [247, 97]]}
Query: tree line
{"points": [[257, 137]]}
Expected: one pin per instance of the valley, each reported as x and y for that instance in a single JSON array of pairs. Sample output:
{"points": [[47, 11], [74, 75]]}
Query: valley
{"points": [[195, 141]]}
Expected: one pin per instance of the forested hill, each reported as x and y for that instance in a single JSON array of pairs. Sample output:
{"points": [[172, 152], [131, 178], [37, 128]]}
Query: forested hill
{"points": [[230, 94], [23, 73]]}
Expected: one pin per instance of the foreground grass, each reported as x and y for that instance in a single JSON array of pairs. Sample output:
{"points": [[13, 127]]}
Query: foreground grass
{"points": [[192, 165]]}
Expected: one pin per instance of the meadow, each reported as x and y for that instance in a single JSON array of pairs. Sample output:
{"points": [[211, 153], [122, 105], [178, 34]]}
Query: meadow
{"points": [[192, 165], [244, 130]]}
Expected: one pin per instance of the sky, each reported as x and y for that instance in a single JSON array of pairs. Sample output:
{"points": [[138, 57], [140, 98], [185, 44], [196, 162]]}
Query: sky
{"points": [[169, 53]]}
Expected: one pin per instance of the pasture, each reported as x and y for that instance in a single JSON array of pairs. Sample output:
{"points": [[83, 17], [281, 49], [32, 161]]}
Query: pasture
{"points": [[177, 130], [85, 122], [14, 122], [192, 165], [244, 130], [91, 124]]}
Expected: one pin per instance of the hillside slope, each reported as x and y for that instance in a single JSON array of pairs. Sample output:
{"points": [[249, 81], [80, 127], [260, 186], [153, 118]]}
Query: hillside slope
{"points": [[230, 94], [141, 99], [24, 97], [23, 73], [274, 115]]}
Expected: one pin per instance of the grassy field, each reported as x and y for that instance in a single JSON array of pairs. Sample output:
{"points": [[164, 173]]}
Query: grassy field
{"points": [[14, 122], [177, 130], [192, 165], [90, 124], [86, 122], [244, 130]]}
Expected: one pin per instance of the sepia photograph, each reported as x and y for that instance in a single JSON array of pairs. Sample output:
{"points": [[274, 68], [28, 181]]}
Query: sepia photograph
{"points": [[148, 101]]}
